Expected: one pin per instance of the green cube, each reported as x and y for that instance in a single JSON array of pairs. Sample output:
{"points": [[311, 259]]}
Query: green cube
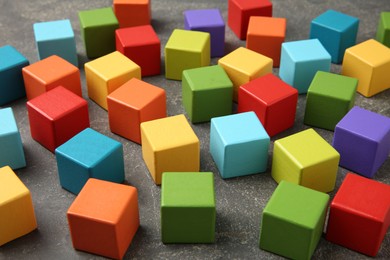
{"points": [[98, 31], [207, 93], [329, 98], [383, 31], [186, 50], [187, 207], [293, 221]]}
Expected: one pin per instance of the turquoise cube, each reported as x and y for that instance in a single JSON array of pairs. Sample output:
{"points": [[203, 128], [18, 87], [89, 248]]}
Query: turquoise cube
{"points": [[11, 79], [89, 154], [300, 61], [336, 31], [56, 38], [239, 144], [11, 147]]}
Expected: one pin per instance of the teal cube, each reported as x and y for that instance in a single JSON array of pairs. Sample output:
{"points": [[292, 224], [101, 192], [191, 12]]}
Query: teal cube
{"points": [[336, 31], [239, 144], [188, 210], [383, 31], [98, 31], [11, 78], [89, 154], [293, 221], [11, 147], [329, 98], [56, 38], [206, 92]]}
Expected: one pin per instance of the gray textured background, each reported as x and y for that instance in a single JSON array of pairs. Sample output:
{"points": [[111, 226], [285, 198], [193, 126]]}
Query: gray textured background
{"points": [[240, 201]]}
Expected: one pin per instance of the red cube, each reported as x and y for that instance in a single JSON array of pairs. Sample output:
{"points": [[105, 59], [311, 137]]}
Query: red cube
{"points": [[141, 45], [359, 215], [56, 116], [273, 101], [239, 12]]}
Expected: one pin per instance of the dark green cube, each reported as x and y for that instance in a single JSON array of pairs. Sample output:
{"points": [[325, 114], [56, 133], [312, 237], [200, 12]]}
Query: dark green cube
{"points": [[383, 31]]}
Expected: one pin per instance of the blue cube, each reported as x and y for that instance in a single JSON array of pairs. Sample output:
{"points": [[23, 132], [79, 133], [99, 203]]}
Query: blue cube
{"points": [[210, 21], [239, 144], [56, 38], [11, 78], [89, 154], [336, 31], [300, 61], [11, 147]]}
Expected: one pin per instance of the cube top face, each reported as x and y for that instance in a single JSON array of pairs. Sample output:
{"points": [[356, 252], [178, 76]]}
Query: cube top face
{"points": [[252, 4], [336, 21], [306, 50], [204, 18], [371, 52], [7, 122], [169, 132], [239, 128], [298, 204], [267, 26], [102, 200], [192, 41], [53, 30], [138, 2], [205, 78], [97, 17], [10, 57], [10, 185], [137, 36], [308, 148], [187, 189], [95, 145]]}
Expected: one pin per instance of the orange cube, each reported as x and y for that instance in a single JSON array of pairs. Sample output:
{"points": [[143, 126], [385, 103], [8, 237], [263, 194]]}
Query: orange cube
{"points": [[133, 103], [49, 73], [132, 12], [104, 218]]}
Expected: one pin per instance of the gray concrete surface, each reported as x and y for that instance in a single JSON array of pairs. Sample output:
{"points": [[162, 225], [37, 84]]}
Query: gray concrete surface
{"points": [[240, 201]]}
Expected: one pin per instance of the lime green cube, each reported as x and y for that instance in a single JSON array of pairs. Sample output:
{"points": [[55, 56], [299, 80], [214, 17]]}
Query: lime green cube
{"points": [[293, 221], [207, 92], [98, 31], [188, 207], [329, 98], [186, 50], [383, 31]]}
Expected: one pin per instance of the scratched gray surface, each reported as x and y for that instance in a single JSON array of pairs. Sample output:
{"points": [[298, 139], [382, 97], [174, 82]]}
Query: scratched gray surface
{"points": [[240, 201]]}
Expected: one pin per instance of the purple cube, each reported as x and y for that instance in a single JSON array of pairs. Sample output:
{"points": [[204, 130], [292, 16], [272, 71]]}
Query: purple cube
{"points": [[211, 21], [362, 138]]}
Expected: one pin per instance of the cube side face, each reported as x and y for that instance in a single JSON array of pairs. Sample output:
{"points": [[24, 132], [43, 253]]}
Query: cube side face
{"points": [[149, 155], [217, 147], [104, 35], [188, 95], [380, 79], [284, 166], [305, 72], [97, 87], [287, 66], [269, 46], [176, 61], [281, 115], [33, 85], [12, 153], [329, 38], [132, 14], [110, 167], [383, 151], [64, 48], [248, 101], [383, 30], [235, 18], [148, 57], [12, 85]]}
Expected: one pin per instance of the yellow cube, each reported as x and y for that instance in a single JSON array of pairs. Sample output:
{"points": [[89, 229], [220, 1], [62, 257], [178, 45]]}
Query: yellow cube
{"points": [[244, 65], [369, 62], [305, 158], [17, 216], [107, 73], [169, 145]]}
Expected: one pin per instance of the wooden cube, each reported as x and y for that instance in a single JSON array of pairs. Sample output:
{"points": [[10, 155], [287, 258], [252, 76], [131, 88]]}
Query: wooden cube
{"points": [[49, 73], [329, 98], [359, 215], [89, 154], [133, 103], [383, 30], [273, 101], [362, 138], [265, 35], [56, 38], [243, 65], [104, 218], [56, 116], [132, 12], [141, 45], [239, 144], [11, 79], [188, 210], [107, 73], [186, 50], [305, 158], [369, 62], [11, 152], [240, 11], [293, 220], [17, 217], [169, 145], [97, 28], [206, 92]]}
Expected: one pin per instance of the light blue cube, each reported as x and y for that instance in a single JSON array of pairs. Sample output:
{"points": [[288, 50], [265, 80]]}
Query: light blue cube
{"points": [[300, 61], [56, 38], [11, 147], [336, 31], [239, 144], [89, 154], [11, 78]]}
